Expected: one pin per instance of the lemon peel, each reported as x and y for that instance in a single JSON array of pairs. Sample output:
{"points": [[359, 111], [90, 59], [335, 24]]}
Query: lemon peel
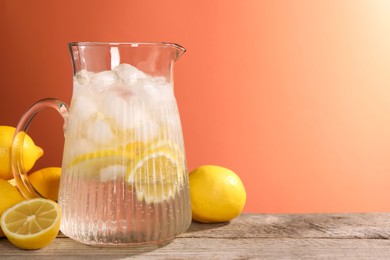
{"points": [[217, 194]]}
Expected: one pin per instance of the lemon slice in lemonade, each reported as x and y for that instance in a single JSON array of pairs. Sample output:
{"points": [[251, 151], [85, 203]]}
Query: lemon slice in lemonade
{"points": [[95, 164], [31, 224], [96, 160], [154, 169], [105, 157], [157, 175]]}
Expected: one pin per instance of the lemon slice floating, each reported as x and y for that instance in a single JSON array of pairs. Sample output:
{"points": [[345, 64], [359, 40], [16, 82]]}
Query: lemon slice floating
{"points": [[31, 224], [155, 169], [100, 158], [156, 176], [99, 164]]}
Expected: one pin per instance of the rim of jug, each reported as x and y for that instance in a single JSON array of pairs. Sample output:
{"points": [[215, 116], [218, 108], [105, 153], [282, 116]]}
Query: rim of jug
{"points": [[180, 49], [132, 44]]}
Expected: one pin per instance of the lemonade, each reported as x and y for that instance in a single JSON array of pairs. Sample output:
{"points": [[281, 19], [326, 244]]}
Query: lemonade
{"points": [[124, 178]]}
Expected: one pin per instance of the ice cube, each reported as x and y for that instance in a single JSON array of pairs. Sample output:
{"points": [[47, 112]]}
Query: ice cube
{"points": [[113, 172], [137, 114], [159, 80], [81, 146], [83, 108], [99, 132], [146, 131], [83, 77], [153, 89], [156, 93], [129, 74], [126, 111], [104, 80], [113, 105]]}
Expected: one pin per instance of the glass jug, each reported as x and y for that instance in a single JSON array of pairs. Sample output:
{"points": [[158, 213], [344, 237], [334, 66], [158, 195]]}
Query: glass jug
{"points": [[124, 178]]}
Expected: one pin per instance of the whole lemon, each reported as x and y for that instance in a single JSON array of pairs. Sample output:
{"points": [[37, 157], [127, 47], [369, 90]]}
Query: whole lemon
{"points": [[9, 196], [31, 152], [46, 182], [217, 194]]}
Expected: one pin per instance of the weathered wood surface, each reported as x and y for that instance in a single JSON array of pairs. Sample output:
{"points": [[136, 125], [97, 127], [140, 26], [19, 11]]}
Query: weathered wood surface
{"points": [[250, 236]]}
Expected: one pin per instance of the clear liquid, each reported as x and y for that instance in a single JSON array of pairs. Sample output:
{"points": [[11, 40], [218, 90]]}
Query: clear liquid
{"points": [[108, 213], [124, 178]]}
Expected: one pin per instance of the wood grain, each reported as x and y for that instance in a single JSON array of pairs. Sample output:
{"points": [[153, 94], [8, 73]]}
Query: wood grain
{"points": [[250, 236]]}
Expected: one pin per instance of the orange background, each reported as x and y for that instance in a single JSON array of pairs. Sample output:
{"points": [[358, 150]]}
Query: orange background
{"points": [[291, 95]]}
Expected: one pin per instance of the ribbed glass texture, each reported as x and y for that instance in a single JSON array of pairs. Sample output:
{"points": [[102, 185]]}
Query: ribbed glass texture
{"points": [[124, 179]]}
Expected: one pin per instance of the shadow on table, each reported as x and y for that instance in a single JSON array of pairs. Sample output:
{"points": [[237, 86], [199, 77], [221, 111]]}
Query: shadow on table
{"points": [[66, 248], [82, 251], [197, 226]]}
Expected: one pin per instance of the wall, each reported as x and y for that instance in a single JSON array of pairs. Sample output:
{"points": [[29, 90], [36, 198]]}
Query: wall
{"points": [[291, 95]]}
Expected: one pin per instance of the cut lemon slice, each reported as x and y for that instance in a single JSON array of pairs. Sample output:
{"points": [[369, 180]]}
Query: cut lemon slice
{"points": [[31, 224], [111, 164], [99, 158], [99, 164], [156, 176], [155, 169]]}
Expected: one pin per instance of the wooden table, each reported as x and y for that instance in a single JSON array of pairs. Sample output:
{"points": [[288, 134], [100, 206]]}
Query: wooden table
{"points": [[250, 236]]}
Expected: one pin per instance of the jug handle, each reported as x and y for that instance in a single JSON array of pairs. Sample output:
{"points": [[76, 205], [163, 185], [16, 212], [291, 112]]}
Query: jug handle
{"points": [[18, 169]]}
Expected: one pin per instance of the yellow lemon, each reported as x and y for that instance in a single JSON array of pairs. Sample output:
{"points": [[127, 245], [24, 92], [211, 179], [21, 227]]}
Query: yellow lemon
{"points": [[157, 175], [31, 152], [13, 182], [46, 182], [31, 224], [217, 194], [9, 196]]}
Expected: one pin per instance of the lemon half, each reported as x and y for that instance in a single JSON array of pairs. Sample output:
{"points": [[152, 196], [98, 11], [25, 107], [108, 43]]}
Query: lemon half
{"points": [[31, 224]]}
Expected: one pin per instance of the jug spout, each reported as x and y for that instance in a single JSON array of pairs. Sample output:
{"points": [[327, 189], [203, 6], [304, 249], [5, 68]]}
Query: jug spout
{"points": [[178, 50]]}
